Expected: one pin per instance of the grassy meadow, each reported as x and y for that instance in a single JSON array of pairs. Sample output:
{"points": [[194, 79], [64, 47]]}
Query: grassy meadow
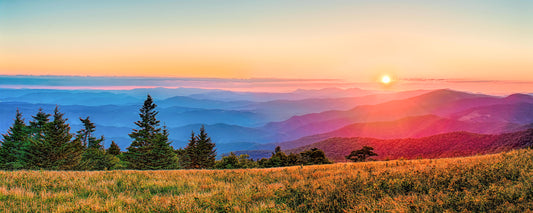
{"points": [[499, 182]]}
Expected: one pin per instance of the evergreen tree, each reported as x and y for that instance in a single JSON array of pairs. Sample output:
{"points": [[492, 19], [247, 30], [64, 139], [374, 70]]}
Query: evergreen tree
{"points": [[161, 153], [95, 156], [85, 135], [150, 148], [189, 159], [37, 151], [206, 150], [180, 153], [38, 125], [13, 148], [60, 153], [113, 149], [50, 146]]}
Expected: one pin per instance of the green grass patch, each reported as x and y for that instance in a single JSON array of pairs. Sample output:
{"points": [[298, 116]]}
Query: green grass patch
{"points": [[488, 183]]}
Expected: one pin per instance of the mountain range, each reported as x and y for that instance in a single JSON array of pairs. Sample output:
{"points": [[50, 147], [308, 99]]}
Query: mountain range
{"points": [[255, 123], [453, 144]]}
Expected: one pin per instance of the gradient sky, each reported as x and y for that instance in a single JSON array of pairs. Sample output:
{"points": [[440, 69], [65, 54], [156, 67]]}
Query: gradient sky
{"points": [[351, 40]]}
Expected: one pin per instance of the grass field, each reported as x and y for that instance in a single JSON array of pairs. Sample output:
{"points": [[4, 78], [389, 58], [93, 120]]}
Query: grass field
{"points": [[500, 182]]}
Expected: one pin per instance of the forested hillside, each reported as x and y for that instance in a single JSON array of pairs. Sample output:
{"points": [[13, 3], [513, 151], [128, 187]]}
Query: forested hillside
{"points": [[453, 144]]}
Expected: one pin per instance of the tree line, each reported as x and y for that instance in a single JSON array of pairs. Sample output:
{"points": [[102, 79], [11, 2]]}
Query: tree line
{"points": [[278, 159], [46, 143]]}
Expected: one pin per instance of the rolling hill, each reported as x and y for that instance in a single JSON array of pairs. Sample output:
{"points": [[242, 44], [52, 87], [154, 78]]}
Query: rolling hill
{"points": [[437, 146], [416, 126], [236, 124], [316, 123], [519, 113], [439, 102]]}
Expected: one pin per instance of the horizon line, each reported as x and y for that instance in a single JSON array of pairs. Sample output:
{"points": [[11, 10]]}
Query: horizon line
{"points": [[451, 80]]}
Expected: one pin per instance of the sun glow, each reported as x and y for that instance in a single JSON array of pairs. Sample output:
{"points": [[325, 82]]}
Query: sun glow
{"points": [[386, 79]]}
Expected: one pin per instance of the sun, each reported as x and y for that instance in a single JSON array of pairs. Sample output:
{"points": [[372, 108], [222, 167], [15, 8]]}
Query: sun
{"points": [[386, 79]]}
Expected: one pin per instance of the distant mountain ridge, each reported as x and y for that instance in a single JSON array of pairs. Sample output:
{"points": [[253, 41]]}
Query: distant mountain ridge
{"points": [[439, 102], [415, 127], [119, 109], [241, 122], [452, 144]]}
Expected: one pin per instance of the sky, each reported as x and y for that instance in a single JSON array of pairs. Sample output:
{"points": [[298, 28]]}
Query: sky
{"points": [[355, 41]]}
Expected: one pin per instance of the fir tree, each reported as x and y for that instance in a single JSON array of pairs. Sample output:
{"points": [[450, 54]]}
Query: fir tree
{"points": [[180, 153], [189, 159], [95, 156], [37, 126], [200, 153], [162, 155], [13, 149], [206, 150], [113, 149], [57, 151], [37, 151], [150, 148], [85, 135]]}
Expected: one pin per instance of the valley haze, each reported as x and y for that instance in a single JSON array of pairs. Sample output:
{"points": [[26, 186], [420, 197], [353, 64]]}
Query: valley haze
{"points": [[259, 121]]}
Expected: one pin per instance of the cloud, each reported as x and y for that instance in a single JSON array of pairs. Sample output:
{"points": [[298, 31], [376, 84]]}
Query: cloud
{"points": [[122, 83]]}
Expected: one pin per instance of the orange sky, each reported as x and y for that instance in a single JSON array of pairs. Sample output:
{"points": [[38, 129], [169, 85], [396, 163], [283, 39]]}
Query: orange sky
{"points": [[356, 41]]}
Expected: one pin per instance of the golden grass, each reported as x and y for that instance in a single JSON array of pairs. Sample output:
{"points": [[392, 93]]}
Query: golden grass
{"points": [[500, 182]]}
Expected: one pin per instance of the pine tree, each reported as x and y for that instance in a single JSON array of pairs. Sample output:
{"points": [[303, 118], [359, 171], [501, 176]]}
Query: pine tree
{"points": [[189, 159], [85, 135], [13, 149], [150, 148], [206, 150], [200, 153], [37, 126], [113, 149], [37, 152], [95, 156], [57, 151], [161, 153]]}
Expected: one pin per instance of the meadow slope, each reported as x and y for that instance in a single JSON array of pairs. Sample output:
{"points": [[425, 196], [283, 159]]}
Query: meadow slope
{"points": [[498, 182]]}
